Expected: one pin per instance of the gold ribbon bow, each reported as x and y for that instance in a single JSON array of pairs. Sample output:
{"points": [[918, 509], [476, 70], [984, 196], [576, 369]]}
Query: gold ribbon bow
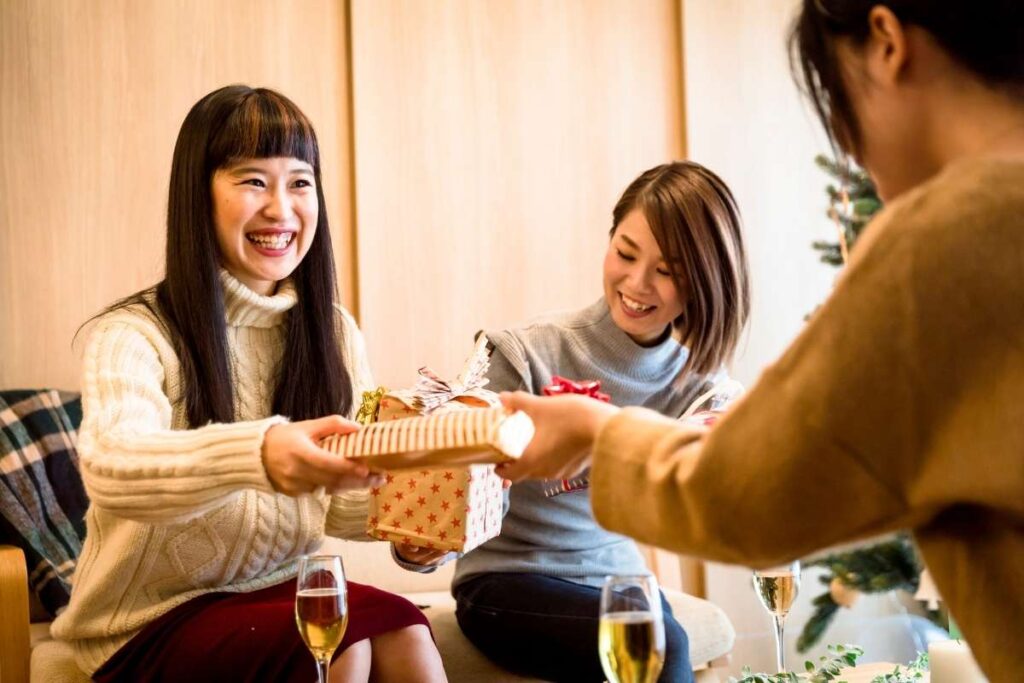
{"points": [[367, 414]]}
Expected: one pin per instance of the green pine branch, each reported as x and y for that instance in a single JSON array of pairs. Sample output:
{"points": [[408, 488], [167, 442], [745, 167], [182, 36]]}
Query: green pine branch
{"points": [[829, 668], [880, 568], [825, 610], [912, 673], [864, 204]]}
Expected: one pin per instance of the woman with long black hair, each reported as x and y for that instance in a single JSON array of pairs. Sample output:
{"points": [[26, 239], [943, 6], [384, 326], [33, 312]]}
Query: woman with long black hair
{"points": [[204, 400]]}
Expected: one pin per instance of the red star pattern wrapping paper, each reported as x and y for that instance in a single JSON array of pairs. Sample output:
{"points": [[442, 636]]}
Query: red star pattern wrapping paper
{"points": [[456, 508]]}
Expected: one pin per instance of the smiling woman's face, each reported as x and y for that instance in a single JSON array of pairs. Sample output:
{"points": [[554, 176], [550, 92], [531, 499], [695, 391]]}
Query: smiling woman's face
{"points": [[640, 292], [265, 213]]}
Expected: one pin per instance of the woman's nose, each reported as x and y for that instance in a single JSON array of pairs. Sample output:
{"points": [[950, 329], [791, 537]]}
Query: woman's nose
{"points": [[279, 205], [639, 279]]}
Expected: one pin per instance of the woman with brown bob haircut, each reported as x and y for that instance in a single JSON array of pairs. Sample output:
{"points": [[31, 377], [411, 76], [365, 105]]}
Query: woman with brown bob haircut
{"points": [[204, 400], [675, 301], [901, 403]]}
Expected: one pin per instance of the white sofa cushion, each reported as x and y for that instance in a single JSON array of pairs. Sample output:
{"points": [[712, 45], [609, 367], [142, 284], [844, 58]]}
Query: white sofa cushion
{"points": [[710, 632]]}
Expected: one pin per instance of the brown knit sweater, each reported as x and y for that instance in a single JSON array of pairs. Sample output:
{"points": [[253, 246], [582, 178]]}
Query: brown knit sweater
{"points": [[901, 405]]}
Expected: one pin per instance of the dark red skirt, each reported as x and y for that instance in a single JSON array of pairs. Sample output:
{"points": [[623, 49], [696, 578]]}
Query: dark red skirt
{"points": [[247, 637]]}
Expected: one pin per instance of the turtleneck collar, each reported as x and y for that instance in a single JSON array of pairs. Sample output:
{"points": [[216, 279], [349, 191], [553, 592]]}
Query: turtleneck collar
{"points": [[607, 339], [245, 308]]}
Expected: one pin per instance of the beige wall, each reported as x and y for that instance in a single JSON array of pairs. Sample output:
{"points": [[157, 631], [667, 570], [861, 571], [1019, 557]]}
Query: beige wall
{"points": [[491, 141], [93, 94]]}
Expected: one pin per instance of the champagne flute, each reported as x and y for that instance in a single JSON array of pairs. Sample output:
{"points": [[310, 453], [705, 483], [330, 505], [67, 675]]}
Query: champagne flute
{"points": [[631, 637], [777, 588], [321, 607]]}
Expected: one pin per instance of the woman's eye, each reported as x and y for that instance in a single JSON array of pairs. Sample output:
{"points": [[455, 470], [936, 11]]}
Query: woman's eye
{"points": [[662, 271], [255, 182], [625, 257], [302, 182]]}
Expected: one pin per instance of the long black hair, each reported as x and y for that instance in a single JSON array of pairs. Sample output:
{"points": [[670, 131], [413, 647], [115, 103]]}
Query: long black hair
{"points": [[985, 36], [233, 123]]}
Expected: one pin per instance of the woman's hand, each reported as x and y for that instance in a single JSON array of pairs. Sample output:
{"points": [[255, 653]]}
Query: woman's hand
{"points": [[296, 463], [566, 427], [424, 557]]}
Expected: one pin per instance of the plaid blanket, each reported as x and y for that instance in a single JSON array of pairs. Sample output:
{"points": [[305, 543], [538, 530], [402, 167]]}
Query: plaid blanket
{"points": [[42, 500]]}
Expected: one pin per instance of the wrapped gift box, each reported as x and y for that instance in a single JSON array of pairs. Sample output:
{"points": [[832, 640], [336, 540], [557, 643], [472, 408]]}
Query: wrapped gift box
{"points": [[560, 386], [421, 436], [447, 439], [444, 509]]}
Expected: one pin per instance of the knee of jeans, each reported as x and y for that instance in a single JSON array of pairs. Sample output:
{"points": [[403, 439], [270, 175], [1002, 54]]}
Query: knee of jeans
{"points": [[676, 640]]}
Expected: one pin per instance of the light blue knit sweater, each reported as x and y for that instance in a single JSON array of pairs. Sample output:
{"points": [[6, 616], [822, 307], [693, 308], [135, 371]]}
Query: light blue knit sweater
{"points": [[558, 536]]}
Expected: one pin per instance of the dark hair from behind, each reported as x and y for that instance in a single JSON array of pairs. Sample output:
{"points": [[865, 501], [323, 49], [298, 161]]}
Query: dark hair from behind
{"points": [[230, 124], [985, 36], [697, 226]]}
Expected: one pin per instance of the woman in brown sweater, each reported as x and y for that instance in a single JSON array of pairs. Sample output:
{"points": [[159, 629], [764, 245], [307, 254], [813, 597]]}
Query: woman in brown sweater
{"points": [[901, 404]]}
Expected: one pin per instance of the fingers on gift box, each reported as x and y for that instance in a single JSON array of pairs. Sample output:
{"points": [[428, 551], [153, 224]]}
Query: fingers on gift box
{"points": [[469, 437], [436, 440], [560, 386]]}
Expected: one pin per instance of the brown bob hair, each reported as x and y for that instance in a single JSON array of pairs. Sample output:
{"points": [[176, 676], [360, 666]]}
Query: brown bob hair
{"points": [[696, 224]]}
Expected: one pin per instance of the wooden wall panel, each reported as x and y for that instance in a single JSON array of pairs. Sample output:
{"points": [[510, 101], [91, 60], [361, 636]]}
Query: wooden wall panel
{"points": [[94, 93], [491, 141]]}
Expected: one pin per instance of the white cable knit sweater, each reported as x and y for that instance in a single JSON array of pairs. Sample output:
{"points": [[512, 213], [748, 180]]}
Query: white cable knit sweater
{"points": [[178, 512]]}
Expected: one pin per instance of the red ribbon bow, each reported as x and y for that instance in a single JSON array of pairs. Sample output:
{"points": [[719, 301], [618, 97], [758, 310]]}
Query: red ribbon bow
{"points": [[561, 385]]}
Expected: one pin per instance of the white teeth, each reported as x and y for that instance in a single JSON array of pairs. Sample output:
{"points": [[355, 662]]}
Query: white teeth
{"points": [[279, 241], [634, 305]]}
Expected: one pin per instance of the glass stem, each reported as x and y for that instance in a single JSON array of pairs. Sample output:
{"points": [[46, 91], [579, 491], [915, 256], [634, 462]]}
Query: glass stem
{"points": [[780, 656], [323, 669]]}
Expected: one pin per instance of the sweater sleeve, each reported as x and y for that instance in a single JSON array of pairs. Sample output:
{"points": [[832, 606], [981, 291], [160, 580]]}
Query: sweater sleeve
{"points": [[509, 369], [502, 376], [346, 516], [706, 496], [133, 463]]}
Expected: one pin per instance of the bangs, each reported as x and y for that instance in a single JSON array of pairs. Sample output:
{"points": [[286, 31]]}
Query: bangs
{"points": [[265, 124], [667, 221]]}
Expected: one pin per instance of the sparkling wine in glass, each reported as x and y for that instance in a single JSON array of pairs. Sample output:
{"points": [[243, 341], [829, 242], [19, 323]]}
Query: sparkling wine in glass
{"points": [[321, 607], [777, 588], [631, 636]]}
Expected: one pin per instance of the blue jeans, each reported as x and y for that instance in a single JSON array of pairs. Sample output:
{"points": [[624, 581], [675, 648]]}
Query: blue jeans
{"points": [[544, 627]]}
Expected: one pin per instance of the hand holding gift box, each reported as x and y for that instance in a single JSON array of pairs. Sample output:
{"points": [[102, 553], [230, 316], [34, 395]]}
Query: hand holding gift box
{"points": [[559, 386], [421, 437], [456, 437]]}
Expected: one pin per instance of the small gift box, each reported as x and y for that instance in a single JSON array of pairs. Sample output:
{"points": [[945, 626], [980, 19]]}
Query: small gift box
{"points": [[421, 436], [709, 406], [446, 439], [559, 386], [450, 509]]}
